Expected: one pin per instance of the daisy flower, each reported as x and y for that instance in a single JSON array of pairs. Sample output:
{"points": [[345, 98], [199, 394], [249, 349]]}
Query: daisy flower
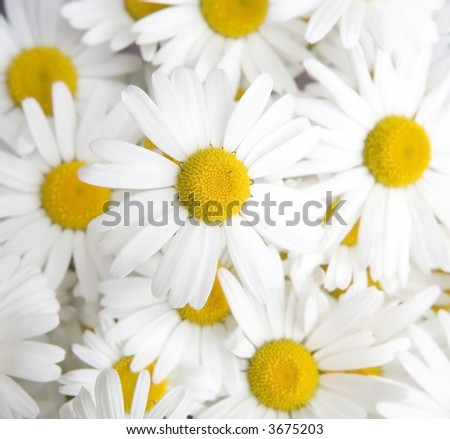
{"points": [[303, 359], [45, 208], [395, 25], [110, 23], [110, 395], [39, 48], [100, 354], [385, 147], [430, 369], [179, 336], [196, 201], [28, 309], [251, 37]]}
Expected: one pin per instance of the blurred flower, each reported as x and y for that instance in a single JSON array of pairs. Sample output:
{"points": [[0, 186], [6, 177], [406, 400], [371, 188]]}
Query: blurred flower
{"points": [[28, 308]]}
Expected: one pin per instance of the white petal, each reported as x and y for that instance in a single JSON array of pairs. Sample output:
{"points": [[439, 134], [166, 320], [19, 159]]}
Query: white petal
{"points": [[219, 99], [247, 112], [41, 132], [253, 260], [65, 120]]}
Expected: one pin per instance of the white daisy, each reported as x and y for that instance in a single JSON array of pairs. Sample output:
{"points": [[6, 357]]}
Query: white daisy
{"points": [[100, 354], [179, 336], [303, 358], [223, 152], [384, 146], [109, 400], [430, 369], [251, 37], [39, 48], [395, 25], [28, 309], [45, 208], [110, 22]]}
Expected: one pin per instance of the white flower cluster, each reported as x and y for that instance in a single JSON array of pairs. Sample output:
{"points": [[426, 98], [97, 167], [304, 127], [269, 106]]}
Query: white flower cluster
{"points": [[225, 209]]}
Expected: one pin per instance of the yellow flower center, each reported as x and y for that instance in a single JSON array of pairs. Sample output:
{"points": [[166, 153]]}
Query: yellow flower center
{"points": [[139, 9], [352, 237], [283, 375], [68, 201], [128, 381], [397, 151], [234, 18], [33, 71], [216, 308], [213, 185]]}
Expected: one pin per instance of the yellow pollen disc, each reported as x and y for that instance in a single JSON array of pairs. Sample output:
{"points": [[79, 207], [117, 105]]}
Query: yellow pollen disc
{"points": [[283, 375], [234, 18], [139, 9], [397, 151], [213, 185], [68, 201], [352, 237], [216, 308], [33, 71], [128, 381]]}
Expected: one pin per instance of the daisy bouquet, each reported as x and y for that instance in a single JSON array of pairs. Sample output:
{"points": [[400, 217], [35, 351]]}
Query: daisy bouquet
{"points": [[224, 209]]}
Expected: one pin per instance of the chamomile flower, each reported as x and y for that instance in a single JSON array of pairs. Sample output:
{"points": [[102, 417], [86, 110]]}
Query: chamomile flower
{"points": [[110, 394], [219, 154], [45, 208], [384, 146], [39, 48], [110, 23], [179, 336], [395, 25], [430, 369], [303, 358], [100, 354], [251, 37], [28, 309]]}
